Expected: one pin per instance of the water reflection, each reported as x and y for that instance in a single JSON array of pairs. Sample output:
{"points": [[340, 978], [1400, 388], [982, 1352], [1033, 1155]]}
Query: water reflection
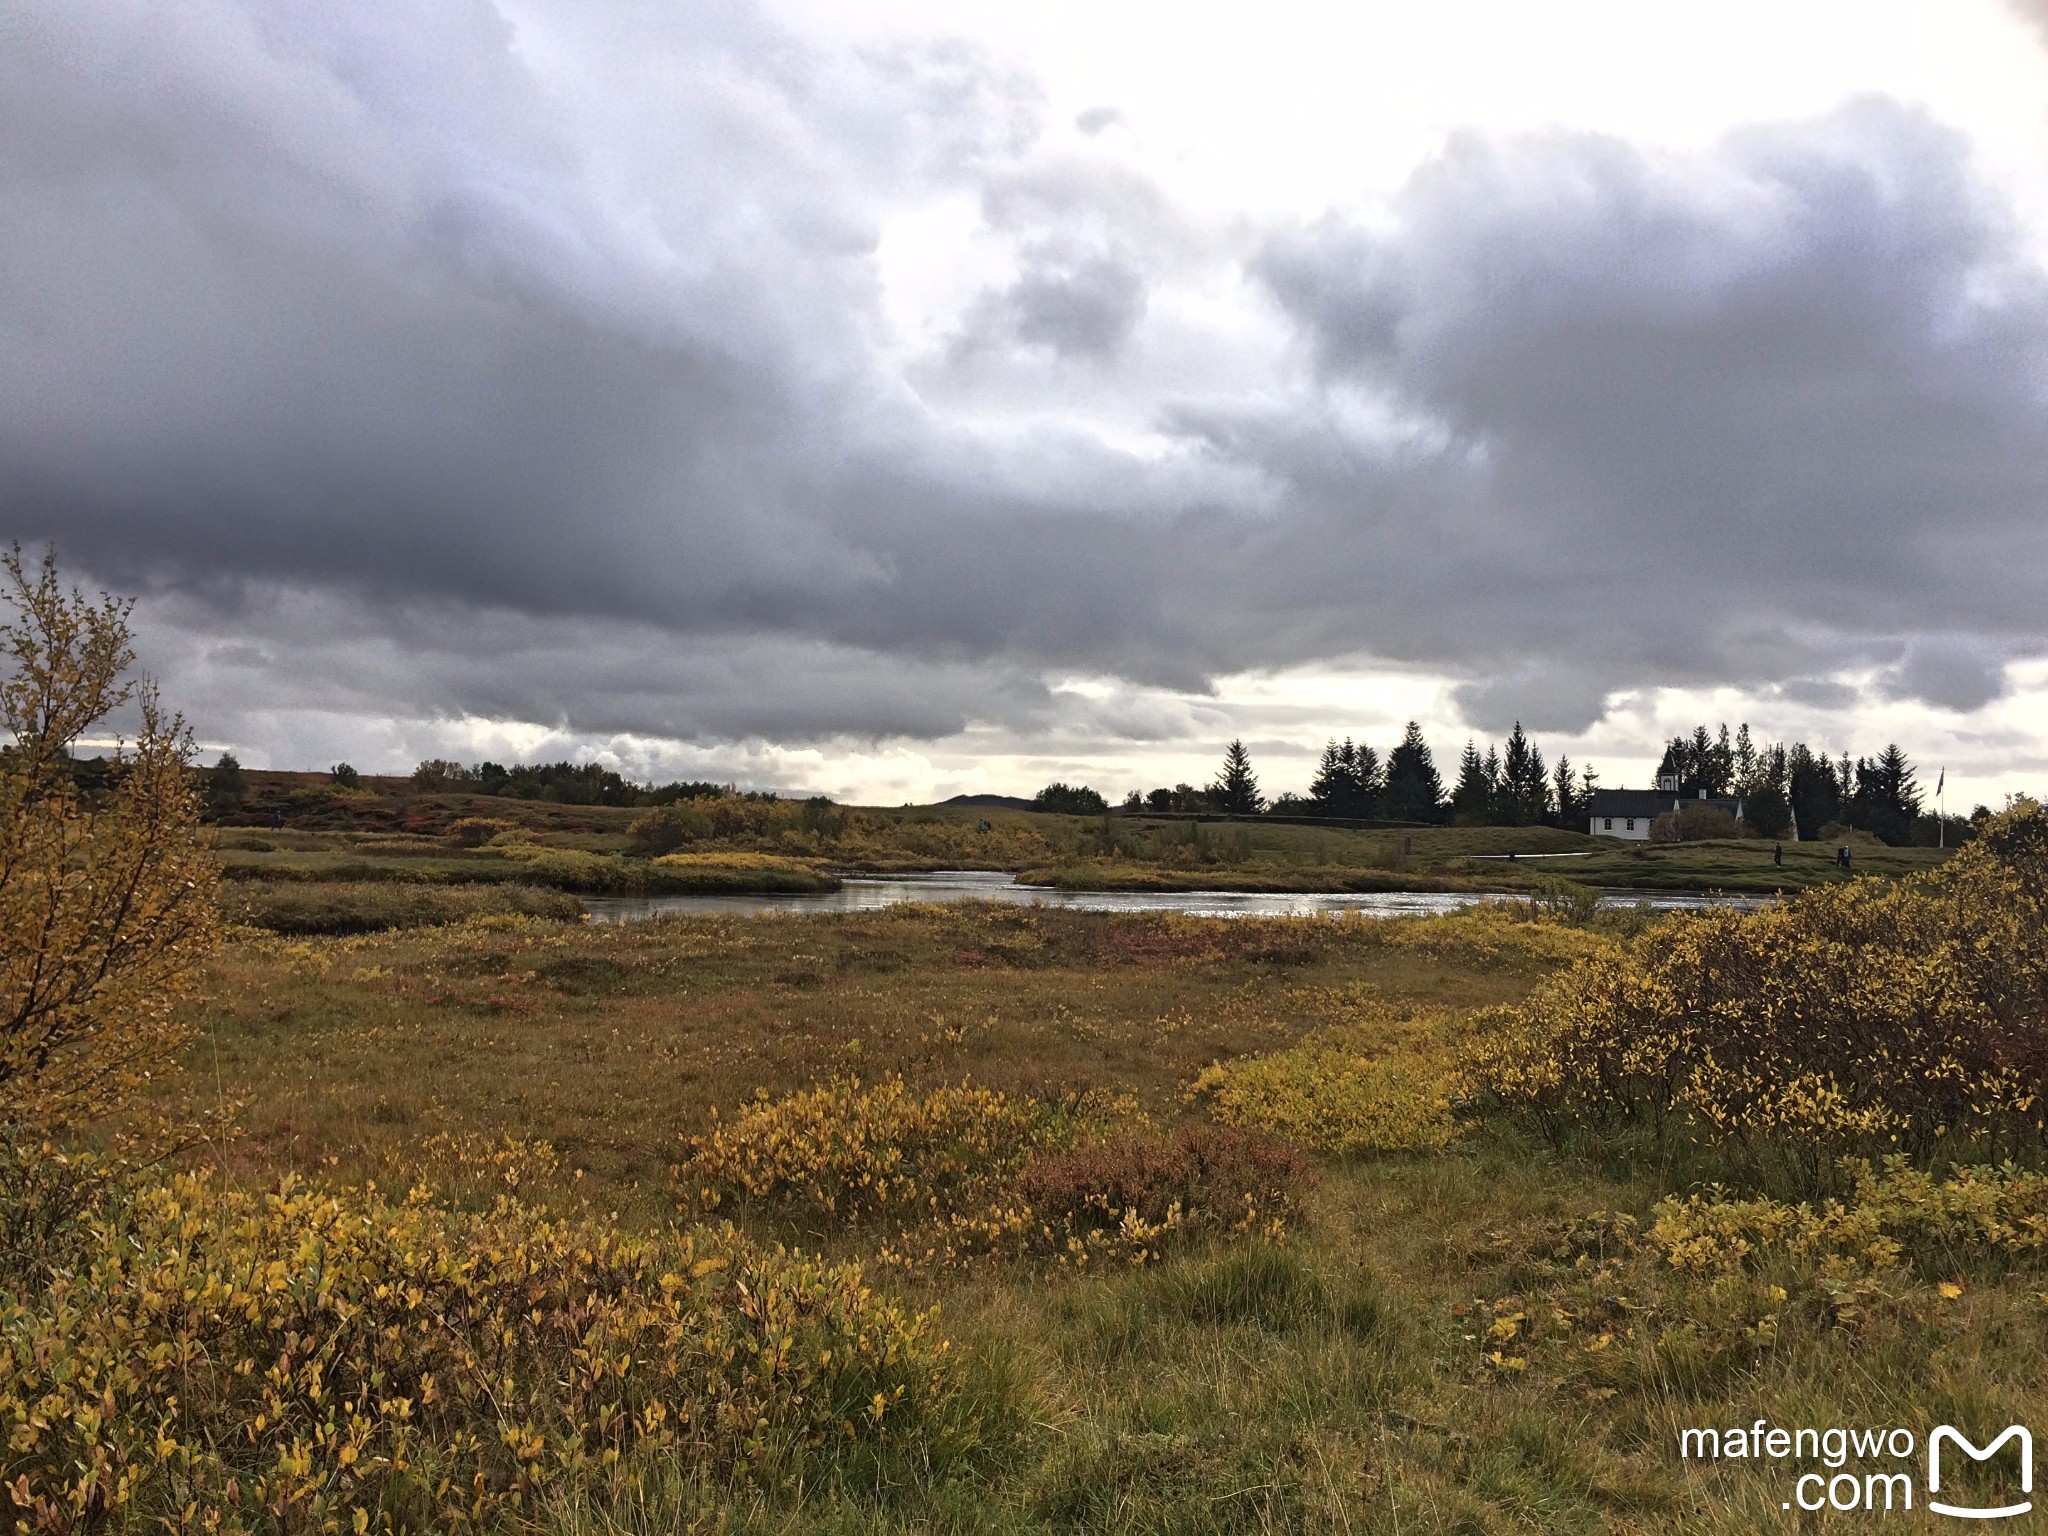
{"points": [[866, 893]]}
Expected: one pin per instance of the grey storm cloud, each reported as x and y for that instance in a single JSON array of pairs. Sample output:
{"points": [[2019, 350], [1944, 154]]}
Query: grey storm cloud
{"points": [[517, 360], [1651, 412], [1953, 674], [1081, 305], [596, 678]]}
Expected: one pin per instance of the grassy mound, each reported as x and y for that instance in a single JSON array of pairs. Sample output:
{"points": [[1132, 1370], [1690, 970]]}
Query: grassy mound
{"points": [[736, 873], [363, 906]]}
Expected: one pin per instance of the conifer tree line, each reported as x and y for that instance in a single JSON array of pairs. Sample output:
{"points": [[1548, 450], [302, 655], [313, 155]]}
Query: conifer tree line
{"points": [[1353, 781], [1786, 790]]}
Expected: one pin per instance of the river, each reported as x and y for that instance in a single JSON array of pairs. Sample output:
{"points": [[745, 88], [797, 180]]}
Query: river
{"points": [[862, 893]]}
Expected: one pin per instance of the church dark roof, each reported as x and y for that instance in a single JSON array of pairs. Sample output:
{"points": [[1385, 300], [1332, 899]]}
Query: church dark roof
{"points": [[1652, 803]]}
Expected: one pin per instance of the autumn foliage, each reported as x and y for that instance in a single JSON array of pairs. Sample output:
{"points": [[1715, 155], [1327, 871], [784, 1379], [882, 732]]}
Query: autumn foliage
{"points": [[106, 888], [1866, 1016], [964, 1174], [186, 1356], [1203, 1175]]}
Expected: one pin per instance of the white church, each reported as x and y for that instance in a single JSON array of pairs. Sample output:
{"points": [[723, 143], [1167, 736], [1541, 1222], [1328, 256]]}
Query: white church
{"points": [[1627, 813]]}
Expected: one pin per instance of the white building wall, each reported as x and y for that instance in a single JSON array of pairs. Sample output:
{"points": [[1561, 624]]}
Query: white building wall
{"points": [[1628, 828]]}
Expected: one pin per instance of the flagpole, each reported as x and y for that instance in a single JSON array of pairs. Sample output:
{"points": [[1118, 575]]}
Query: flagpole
{"points": [[1941, 809]]}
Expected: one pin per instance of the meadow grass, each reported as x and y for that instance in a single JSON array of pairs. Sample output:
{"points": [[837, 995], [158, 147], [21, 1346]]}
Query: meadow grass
{"points": [[1482, 1337], [1740, 864], [614, 1042]]}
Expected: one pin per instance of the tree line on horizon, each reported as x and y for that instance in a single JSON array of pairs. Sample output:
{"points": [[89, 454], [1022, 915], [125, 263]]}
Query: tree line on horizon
{"points": [[1786, 791], [563, 783]]}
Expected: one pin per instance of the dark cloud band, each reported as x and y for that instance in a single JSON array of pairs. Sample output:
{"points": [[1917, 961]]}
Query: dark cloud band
{"points": [[437, 314]]}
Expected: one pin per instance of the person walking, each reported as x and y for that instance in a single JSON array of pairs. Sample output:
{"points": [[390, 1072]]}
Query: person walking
{"points": [[1778, 854]]}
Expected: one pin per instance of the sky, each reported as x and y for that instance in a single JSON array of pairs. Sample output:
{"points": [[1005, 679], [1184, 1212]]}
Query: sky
{"points": [[902, 399]]}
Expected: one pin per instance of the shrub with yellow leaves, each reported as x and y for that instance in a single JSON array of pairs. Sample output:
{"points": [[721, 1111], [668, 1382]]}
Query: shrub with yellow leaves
{"points": [[106, 881], [572, 869], [1383, 1079], [1327, 1096], [1503, 934], [735, 871], [968, 1173], [845, 1151], [1714, 1279], [1127, 1199], [186, 1356], [1868, 1015], [1891, 1211]]}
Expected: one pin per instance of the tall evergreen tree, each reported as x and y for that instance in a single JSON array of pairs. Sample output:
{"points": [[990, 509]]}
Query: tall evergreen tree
{"points": [[1331, 786], [1524, 787], [1347, 781], [1700, 754], [1745, 758], [1902, 788], [1886, 799], [1813, 790], [1367, 782], [1765, 793], [1720, 777], [1414, 791], [1472, 795], [1237, 790], [1567, 810]]}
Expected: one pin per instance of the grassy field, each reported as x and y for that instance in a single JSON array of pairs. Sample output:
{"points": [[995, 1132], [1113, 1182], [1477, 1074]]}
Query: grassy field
{"points": [[613, 1043], [1738, 865], [1476, 1338], [388, 833]]}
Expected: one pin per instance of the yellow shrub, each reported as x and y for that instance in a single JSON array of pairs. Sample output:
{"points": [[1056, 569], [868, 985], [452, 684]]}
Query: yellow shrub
{"points": [[1125, 1199], [190, 1356], [734, 860], [968, 1173], [107, 883], [713, 872], [1322, 1095], [447, 1161], [1866, 1014], [848, 1151], [1893, 1209], [1495, 933], [1014, 1230], [1717, 1279], [676, 873]]}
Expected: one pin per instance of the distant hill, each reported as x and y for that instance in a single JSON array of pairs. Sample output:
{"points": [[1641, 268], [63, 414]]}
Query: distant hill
{"points": [[998, 802]]}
